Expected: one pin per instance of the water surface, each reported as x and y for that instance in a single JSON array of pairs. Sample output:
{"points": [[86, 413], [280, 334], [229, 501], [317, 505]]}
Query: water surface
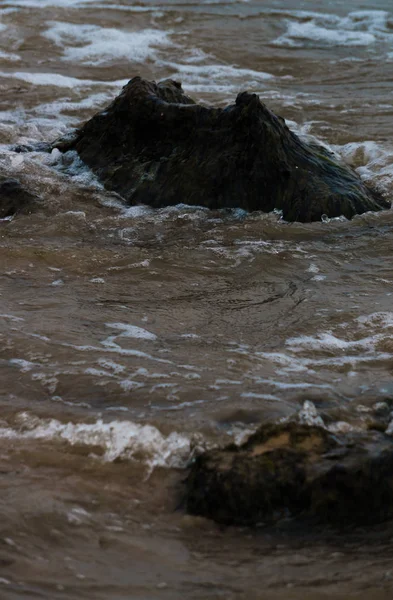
{"points": [[133, 338]]}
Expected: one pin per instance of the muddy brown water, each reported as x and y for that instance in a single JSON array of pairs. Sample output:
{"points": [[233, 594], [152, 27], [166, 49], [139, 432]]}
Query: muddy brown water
{"points": [[132, 338]]}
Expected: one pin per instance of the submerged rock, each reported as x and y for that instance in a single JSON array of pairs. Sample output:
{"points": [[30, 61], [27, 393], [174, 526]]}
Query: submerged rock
{"points": [[14, 197], [154, 145], [292, 469]]}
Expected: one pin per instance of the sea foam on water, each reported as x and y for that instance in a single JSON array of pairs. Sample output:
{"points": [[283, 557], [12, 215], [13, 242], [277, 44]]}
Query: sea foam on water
{"points": [[358, 28], [117, 439], [94, 45]]}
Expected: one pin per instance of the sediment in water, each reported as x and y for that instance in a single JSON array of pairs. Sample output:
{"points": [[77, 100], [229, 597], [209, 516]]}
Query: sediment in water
{"points": [[154, 145]]}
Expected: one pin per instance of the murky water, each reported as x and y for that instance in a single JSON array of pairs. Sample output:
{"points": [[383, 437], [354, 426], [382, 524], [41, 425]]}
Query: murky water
{"points": [[131, 338]]}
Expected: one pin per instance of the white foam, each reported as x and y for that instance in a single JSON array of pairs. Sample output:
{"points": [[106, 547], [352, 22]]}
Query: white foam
{"points": [[215, 77], [24, 365], [134, 212], [9, 56], [132, 8], [132, 331], [176, 407], [358, 28], [94, 45], [204, 73], [377, 327], [109, 345], [389, 430], [117, 439], [52, 79], [361, 153], [297, 33], [130, 384], [283, 385], [98, 372], [353, 345], [10, 317], [313, 268], [383, 320], [373, 162], [308, 415], [256, 396], [328, 341], [58, 80], [8, 11], [78, 515], [196, 55], [91, 102], [340, 427], [72, 165], [46, 3]]}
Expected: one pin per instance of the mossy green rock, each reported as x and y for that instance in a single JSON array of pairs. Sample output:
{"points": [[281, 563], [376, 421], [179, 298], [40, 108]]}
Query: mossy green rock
{"points": [[153, 145], [292, 470]]}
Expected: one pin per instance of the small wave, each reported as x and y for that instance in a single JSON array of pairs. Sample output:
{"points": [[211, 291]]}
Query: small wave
{"points": [[8, 56], [204, 73], [131, 331], [358, 28], [58, 80], [381, 320], [101, 45], [373, 162], [47, 3], [124, 440], [367, 341], [71, 165], [218, 78], [90, 103]]}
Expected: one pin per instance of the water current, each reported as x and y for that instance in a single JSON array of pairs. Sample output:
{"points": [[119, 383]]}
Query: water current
{"points": [[131, 338]]}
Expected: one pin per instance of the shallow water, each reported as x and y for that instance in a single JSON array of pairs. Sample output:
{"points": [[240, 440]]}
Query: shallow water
{"points": [[133, 338]]}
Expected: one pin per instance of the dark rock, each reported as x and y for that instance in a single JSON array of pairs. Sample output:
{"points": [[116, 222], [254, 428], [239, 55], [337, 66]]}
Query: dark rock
{"points": [[292, 469], [33, 147], [153, 145], [14, 197]]}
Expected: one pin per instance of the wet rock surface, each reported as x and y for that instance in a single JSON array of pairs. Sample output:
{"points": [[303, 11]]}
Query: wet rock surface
{"points": [[14, 198], [289, 470], [155, 146]]}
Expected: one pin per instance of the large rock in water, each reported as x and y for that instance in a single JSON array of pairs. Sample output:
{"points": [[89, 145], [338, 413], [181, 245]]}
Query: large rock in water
{"points": [[291, 469], [153, 145]]}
